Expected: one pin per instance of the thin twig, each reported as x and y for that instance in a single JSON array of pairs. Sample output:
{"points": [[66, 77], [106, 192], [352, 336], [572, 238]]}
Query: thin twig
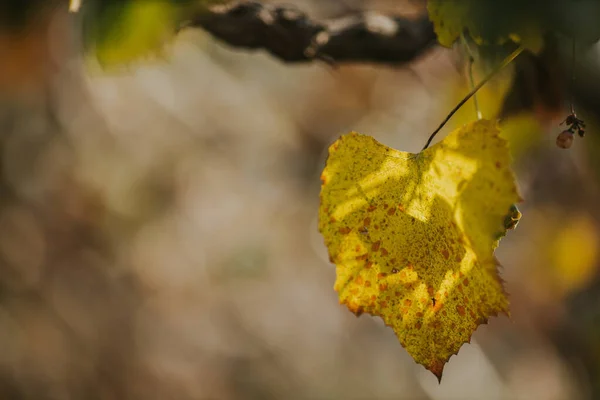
{"points": [[485, 80], [573, 78]]}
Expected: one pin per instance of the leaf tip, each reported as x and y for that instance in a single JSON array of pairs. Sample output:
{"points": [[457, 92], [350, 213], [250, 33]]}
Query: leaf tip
{"points": [[437, 368]]}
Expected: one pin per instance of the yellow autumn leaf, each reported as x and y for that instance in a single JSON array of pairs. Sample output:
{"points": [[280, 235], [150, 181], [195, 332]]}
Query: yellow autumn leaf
{"points": [[413, 235]]}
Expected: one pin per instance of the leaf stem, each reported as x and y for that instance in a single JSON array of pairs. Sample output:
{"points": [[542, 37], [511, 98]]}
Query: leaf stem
{"points": [[485, 80], [470, 73]]}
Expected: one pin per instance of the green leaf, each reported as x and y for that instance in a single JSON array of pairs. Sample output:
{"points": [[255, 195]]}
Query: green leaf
{"points": [[494, 22], [119, 32]]}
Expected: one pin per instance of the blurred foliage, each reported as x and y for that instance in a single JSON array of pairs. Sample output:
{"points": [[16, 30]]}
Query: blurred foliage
{"points": [[119, 32], [524, 22], [16, 15], [523, 130], [199, 288], [563, 252], [116, 32]]}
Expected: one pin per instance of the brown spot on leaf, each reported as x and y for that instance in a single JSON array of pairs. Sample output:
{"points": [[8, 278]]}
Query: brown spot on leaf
{"points": [[367, 283], [381, 275], [401, 207], [498, 164], [375, 246], [359, 280], [369, 264], [332, 220], [435, 324], [430, 290], [466, 281], [371, 208], [385, 206], [461, 310], [383, 286], [407, 302], [419, 314], [418, 325], [383, 304], [362, 257], [345, 230], [446, 254], [367, 221], [391, 211], [384, 252]]}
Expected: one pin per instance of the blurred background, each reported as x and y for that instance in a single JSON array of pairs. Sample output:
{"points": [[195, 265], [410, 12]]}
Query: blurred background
{"points": [[158, 222]]}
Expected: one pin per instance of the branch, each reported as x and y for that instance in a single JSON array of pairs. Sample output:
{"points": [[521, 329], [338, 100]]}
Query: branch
{"points": [[290, 35]]}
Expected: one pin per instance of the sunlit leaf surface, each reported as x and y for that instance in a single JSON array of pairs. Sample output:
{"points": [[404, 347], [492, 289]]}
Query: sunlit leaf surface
{"points": [[413, 235]]}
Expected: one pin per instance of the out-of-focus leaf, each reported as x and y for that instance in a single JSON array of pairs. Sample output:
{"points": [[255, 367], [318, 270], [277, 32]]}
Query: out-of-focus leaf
{"points": [[575, 252], [413, 235], [487, 21], [123, 31], [524, 22], [559, 252], [523, 131], [119, 32]]}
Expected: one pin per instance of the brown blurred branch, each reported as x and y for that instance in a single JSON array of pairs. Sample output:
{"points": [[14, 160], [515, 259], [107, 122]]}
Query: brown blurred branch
{"points": [[292, 36]]}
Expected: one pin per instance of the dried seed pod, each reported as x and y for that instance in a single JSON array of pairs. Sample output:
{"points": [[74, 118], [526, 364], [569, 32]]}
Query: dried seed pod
{"points": [[565, 139]]}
